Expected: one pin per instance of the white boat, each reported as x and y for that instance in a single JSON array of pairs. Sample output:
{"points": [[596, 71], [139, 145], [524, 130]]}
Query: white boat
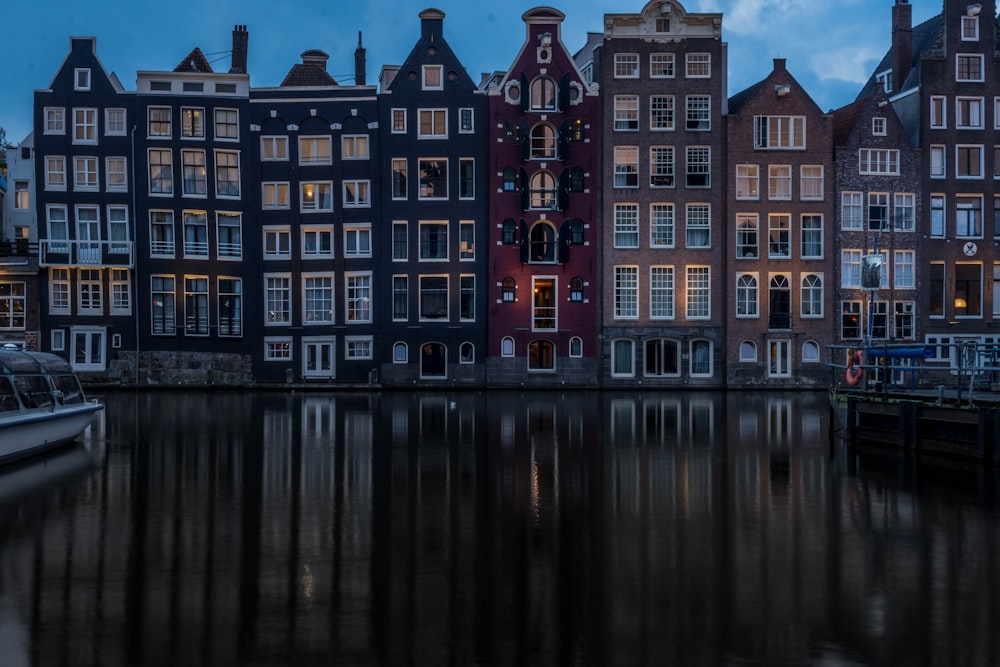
{"points": [[42, 404]]}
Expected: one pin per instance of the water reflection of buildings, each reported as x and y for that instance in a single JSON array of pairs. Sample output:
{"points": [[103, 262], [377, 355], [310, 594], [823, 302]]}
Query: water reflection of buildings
{"points": [[502, 528]]}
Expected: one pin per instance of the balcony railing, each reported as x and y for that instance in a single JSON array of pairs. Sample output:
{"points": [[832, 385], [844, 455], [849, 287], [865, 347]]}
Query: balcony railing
{"points": [[55, 252], [18, 248]]}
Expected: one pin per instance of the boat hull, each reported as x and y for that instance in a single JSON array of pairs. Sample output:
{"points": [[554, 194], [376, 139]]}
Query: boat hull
{"points": [[29, 432]]}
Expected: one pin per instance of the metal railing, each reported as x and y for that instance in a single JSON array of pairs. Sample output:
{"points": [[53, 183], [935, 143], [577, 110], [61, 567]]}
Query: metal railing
{"points": [[57, 252]]}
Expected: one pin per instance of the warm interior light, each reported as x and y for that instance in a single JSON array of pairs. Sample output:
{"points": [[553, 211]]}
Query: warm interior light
{"points": [[960, 303]]}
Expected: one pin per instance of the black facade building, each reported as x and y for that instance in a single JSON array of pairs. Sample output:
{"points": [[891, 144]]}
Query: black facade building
{"points": [[432, 128]]}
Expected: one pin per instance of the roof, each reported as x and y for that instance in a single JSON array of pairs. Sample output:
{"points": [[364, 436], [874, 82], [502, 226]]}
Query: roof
{"points": [[737, 101], [194, 62], [308, 75], [927, 37]]}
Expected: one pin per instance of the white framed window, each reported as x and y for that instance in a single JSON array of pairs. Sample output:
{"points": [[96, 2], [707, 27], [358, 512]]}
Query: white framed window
{"points": [[358, 347], [626, 294], [878, 211], [89, 292], [227, 174], [626, 233], [317, 243], [317, 299], [467, 298], [661, 167], [277, 299], [55, 172], [661, 113], [850, 268], [748, 181], [699, 65], [626, 65], [626, 113], [938, 168], [969, 113], [937, 215], [115, 174], [400, 240], [904, 219], [466, 178], [622, 357], [275, 195], [161, 171], [466, 120], [970, 28], [433, 174], [358, 240], [779, 182], [811, 182], [277, 348], [273, 148], [780, 132], [698, 112], [114, 122], [55, 120], [969, 216], [84, 126], [196, 306], [354, 146], [22, 196], [227, 125], [969, 67], [811, 297], [748, 351], [85, 174], [543, 96], [81, 78], [996, 113], [878, 161], [661, 225], [779, 236], [661, 292], [229, 234], [400, 298], [118, 228], [851, 211], [195, 234], [315, 150], [903, 269], [699, 166], [433, 298], [163, 309], [159, 122], [878, 126], [747, 236], [357, 194], [699, 293], [192, 122], [195, 175], [161, 233], [316, 196], [466, 240], [969, 161], [277, 242], [626, 166], [59, 302], [811, 236], [432, 123], [398, 121], [698, 232], [661, 65], [358, 293], [58, 227], [747, 295], [433, 240], [432, 77], [57, 340], [230, 306], [938, 112]]}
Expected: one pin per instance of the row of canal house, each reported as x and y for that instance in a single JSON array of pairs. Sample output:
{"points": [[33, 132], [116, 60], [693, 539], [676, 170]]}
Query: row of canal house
{"points": [[605, 217]]}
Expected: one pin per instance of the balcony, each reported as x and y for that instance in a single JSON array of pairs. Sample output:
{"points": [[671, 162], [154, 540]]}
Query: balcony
{"points": [[779, 321], [56, 252]]}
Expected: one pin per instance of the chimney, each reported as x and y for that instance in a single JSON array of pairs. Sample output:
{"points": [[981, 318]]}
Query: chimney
{"points": [[240, 39], [359, 63], [431, 24], [315, 57], [902, 43], [779, 64]]}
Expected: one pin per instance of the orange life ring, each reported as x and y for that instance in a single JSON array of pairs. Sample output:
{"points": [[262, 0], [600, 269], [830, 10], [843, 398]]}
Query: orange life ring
{"points": [[854, 370]]}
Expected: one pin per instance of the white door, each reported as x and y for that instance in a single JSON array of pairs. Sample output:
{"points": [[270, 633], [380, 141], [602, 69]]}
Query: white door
{"points": [[87, 348], [779, 363], [317, 357]]}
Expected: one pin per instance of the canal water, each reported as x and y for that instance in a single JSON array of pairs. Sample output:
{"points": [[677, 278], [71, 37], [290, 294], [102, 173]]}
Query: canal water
{"points": [[538, 528]]}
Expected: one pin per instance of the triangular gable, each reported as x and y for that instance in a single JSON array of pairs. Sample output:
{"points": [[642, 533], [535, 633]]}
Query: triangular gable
{"points": [[194, 62]]}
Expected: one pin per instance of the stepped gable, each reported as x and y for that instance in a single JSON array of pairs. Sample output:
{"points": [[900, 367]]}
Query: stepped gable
{"points": [[311, 72], [194, 62]]}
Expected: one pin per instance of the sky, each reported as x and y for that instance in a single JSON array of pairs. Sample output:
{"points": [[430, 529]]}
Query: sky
{"points": [[831, 48]]}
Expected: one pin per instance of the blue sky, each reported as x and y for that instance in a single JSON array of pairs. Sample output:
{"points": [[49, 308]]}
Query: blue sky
{"points": [[831, 47]]}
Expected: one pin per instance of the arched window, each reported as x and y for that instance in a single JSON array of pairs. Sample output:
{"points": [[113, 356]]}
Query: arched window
{"points": [[576, 179], [810, 352], [399, 353], [576, 231], [576, 346], [509, 179], [543, 94], [508, 289], [746, 296], [543, 142], [543, 190], [576, 289], [433, 360], [466, 353], [543, 242], [812, 295], [779, 303], [662, 357], [507, 347], [748, 351], [576, 130], [541, 356]]}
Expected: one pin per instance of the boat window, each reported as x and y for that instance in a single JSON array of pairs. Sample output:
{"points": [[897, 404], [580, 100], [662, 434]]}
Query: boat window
{"points": [[70, 388], [8, 402], [34, 391]]}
